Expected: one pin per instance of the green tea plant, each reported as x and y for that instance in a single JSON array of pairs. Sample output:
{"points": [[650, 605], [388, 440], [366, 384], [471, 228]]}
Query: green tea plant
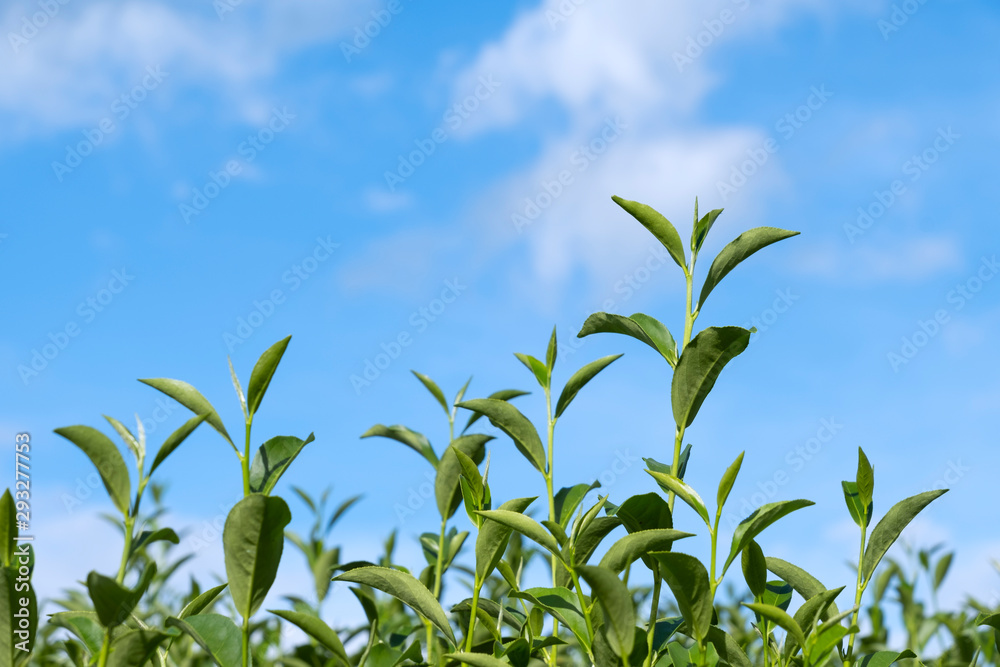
{"points": [[598, 610]]}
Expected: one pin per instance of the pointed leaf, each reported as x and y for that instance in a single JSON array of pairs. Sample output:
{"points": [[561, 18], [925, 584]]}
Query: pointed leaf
{"points": [[941, 569], [524, 525], [478, 659], [862, 516], [616, 601], [106, 458], [253, 538], [191, 399], [885, 658], [641, 327], [128, 438], [263, 371], [112, 601], [865, 478], [754, 568], [780, 618], [727, 481], [238, 387], [148, 537], [813, 609], [83, 624], [753, 525], [273, 459], [564, 607], [201, 602], [550, 353], [175, 439], [736, 251], [683, 491], [446, 485], [406, 589], [509, 419], [537, 368], [569, 498], [659, 226], [891, 525], [701, 229], [579, 380], [629, 548], [435, 391], [216, 635], [502, 395], [589, 538], [688, 579], [804, 583], [493, 538], [415, 441], [699, 367], [317, 629], [135, 647]]}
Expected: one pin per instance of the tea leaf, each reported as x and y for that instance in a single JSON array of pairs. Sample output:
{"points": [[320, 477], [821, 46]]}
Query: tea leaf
{"points": [[272, 460], [941, 570], [659, 226], [615, 599], [524, 525], [754, 568], [891, 525], [670, 483], [735, 252], [446, 485], [406, 589], [509, 419], [727, 481], [341, 509], [263, 371], [175, 439], [128, 438], [147, 537], [239, 388], [861, 515], [569, 498], [415, 441], [253, 539], [777, 594], [317, 629], [191, 399], [645, 512], [814, 608], [804, 583], [537, 368], [702, 227], [83, 624], [550, 353], [478, 659], [699, 367], [823, 642], [579, 380], [754, 524], [8, 528], [106, 458], [688, 579], [201, 602], [502, 395], [112, 601], [885, 658], [590, 538], [865, 479], [641, 327], [562, 604], [728, 648], [779, 618], [435, 391], [135, 647], [216, 635], [629, 548]]}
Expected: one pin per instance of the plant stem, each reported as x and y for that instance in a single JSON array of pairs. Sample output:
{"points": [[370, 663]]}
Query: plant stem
{"points": [[246, 642], [654, 608], [472, 617], [858, 592], [689, 318], [245, 461], [549, 475], [583, 606]]}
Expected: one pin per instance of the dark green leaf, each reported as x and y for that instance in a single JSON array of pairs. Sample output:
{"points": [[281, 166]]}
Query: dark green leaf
{"points": [[564, 607], [885, 658], [106, 458], [478, 660], [446, 486], [629, 548], [891, 525], [509, 419], [579, 379], [83, 624], [272, 460], [550, 353], [112, 601], [777, 594], [813, 609], [683, 491], [754, 524], [728, 648], [317, 629], [659, 226], [616, 601], [641, 327], [688, 579], [780, 618], [568, 498], [590, 538], [804, 583], [191, 399], [735, 252], [406, 589], [524, 525], [217, 635], [148, 537], [862, 516], [502, 395], [537, 368], [699, 367], [865, 478], [415, 441], [701, 229], [135, 647], [253, 539], [263, 371], [201, 602], [175, 439], [754, 568]]}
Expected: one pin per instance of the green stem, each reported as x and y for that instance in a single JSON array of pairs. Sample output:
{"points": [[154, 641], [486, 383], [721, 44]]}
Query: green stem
{"points": [[245, 461], [689, 318], [437, 583], [472, 617], [102, 659], [583, 606], [858, 592], [246, 642], [549, 491], [653, 613]]}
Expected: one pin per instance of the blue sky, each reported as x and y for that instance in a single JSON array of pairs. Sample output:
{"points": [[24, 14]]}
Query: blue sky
{"points": [[181, 164]]}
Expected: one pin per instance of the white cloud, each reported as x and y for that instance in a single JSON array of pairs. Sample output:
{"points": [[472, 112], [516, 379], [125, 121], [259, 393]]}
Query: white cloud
{"points": [[907, 260]]}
